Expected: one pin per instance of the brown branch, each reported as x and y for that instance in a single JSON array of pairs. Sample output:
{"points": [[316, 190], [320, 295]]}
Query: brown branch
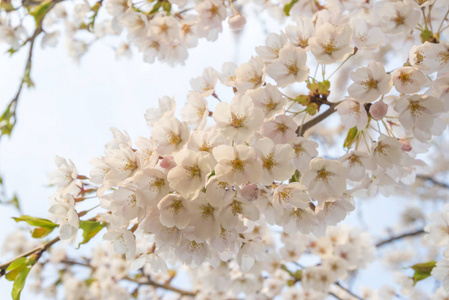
{"points": [[36, 251], [399, 237], [302, 129], [26, 73], [167, 287], [433, 180], [147, 281], [348, 291]]}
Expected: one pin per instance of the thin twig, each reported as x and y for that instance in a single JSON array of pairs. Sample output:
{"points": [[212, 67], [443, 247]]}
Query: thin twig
{"points": [[162, 286], [433, 180], [399, 237], [38, 251], [301, 130], [348, 291]]}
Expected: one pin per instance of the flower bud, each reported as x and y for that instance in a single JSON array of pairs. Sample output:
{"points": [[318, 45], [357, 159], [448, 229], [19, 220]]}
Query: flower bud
{"points": [[405, 145], [378, 110], [237, 22]]}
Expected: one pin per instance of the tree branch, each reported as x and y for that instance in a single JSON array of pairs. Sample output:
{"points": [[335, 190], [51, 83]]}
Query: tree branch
{"points": [[37, 251], [433, 180], [26, 73], [162, 286], [399, 237], [348, 291], [302, 129]]}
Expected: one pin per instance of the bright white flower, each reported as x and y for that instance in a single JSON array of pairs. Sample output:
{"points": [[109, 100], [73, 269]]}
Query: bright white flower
{"points": [[227, 75], [166, 109], [211, 13], [366, 36], [325, 178], [281, 130], [276, 160], [123, 163], [65, 177], [387, 152], [438, 227], [370, 83], [170, 135], [63, 213], [195, 112], [231, 214], [398, 17], [331, 44], [273, 44], [269, 99], [356, 163], [441, 271], [124, 242], [300, 34], [205, 84], [292, 195], [250, 75], [152, 185], [408, 80], [237, 165], [239, 119], [429, 57], [205, 224], [290, 67], [305, 150], [249, 253], [164, 28], [353, 113], [417, 113], [191, 172], [174, 211], [125, 202], [192, 252], [206, 140]]}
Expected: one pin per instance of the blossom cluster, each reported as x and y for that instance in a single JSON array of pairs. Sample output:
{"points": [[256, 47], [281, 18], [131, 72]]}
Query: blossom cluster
{"points": [[247, 154]]}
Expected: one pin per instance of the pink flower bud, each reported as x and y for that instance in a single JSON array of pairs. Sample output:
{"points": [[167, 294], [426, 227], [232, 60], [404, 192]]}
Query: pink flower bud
{"points": [[250, 192], [237, 22], [378, 110], [168, 163], [405, 145]]}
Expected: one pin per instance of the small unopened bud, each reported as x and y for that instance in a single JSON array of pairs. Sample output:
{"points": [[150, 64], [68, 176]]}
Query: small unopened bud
{"points": [[405, 145], [168, 163], [250, 192], [378, 110], [237, 22]]}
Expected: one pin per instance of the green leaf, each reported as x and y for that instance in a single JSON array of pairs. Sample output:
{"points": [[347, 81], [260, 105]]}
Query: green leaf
{"points": [[295, 177], [41, 232], [422, 270], [90, 229], [19, 283], [15, 268], [426, 36], [288, 7], [156, 7], [40, 11], [166, 6], [17, 263], [8, 120], [38, 222], [353, 133]]}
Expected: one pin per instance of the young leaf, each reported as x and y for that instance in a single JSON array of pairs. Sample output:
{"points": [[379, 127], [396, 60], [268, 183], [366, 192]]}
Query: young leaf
{"points": [[41, 232], [422, 270], [90, 229], [19, 283], [40, 11], [288, 7], [38, 222], [353, 133], [17, 263]]}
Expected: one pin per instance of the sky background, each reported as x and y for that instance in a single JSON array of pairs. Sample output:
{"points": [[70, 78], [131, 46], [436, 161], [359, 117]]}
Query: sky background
{"points": [[73, 106]]}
